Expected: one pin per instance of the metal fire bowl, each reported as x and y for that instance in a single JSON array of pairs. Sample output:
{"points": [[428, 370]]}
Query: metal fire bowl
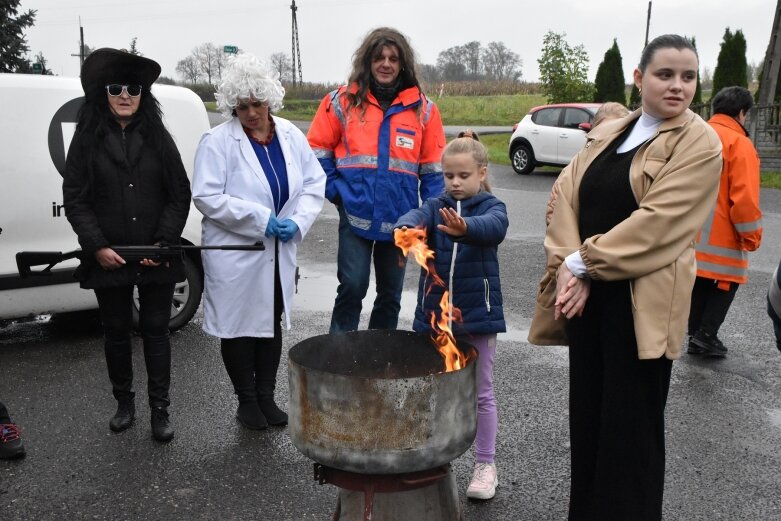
{"points": [[379, 402]]}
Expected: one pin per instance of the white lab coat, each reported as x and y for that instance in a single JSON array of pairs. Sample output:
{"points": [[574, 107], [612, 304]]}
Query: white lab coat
{"points": [[232, 192]]}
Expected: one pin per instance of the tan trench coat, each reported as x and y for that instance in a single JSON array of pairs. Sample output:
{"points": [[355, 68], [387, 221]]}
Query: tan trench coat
{"points": [[675, 179]]}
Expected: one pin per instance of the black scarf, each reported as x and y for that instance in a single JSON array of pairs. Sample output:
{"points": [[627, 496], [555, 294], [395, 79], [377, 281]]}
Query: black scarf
{"points": [[384, 94]]}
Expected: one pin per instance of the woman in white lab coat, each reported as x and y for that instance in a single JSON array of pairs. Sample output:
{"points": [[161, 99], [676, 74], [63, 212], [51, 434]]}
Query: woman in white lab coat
{"points": [[255, 179]]}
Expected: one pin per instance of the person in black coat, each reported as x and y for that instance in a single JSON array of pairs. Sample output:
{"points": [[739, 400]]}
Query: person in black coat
{"points": [[125, 185]]}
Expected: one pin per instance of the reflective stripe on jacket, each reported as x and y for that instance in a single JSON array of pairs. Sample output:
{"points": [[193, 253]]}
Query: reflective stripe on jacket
{"points": [[734, 226], [379, 165]]}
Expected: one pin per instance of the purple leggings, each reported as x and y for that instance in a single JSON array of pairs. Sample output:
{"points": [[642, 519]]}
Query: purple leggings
{"points": [[487, 421]]}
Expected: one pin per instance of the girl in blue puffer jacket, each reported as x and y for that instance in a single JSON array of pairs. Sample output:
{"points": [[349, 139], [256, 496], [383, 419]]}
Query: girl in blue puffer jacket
{"points": [[464, 227]]}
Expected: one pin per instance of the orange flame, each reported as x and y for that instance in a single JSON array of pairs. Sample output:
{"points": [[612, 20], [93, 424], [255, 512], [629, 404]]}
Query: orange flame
{"points": [[413, 240]]}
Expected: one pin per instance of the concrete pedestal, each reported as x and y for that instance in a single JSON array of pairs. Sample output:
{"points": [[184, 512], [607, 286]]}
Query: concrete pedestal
{"points": [[435, 502]]}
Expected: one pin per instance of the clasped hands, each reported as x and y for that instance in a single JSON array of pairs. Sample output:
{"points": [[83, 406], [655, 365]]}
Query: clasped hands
{"points": [[285, 229], [571, 293]]}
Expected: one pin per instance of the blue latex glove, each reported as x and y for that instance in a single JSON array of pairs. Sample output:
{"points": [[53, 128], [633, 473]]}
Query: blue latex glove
{"points": [[287, 229], [272, 226]]}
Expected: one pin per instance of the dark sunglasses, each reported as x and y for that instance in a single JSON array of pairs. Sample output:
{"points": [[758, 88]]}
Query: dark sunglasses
{"points": [[115, 89]]}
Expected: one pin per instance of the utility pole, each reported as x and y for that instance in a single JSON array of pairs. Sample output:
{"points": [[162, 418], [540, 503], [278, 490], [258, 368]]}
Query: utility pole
{"points": [[769, 80], [648, 24], [296, 52], [81, 45]]}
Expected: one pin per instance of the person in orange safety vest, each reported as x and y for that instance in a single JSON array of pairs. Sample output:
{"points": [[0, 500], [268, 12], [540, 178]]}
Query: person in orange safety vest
{"points": [[733, 228], [379, 140]]}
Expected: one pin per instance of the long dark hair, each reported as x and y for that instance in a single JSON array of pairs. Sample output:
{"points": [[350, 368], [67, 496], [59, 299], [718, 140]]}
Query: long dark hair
{"points": [[96, 120], [362, 63]]}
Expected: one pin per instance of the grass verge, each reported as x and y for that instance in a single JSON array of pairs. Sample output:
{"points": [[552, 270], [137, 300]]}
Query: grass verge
{"points": [[771, 180], [473, 110]]}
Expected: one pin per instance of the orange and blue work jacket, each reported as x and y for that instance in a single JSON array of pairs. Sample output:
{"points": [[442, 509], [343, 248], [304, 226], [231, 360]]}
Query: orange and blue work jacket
{"points": [[734, 226], [378, 165]]}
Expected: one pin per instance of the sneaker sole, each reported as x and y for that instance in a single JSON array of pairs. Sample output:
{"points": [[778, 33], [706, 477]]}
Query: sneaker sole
{"points": [[483, 495]]}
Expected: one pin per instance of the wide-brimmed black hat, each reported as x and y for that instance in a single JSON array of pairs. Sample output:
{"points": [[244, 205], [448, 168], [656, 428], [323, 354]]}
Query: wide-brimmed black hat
{"points": [[107, 65]]}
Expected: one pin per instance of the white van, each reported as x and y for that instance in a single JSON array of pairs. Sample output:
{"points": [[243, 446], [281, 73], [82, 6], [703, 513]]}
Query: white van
{"points": [[38, 116]]}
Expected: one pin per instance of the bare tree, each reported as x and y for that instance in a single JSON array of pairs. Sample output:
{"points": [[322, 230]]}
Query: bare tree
{"points": [[189, 70], [39, 58], [471, 56], [282, 64], [205, 55], [219, 63], [706, 78], [450, 63], [500, 63]]}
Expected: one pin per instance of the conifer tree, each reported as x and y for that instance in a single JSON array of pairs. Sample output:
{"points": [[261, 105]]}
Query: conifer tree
{"points": [[634, 97], [698, 91], [731, 65], [13, 45], [609, 82]]}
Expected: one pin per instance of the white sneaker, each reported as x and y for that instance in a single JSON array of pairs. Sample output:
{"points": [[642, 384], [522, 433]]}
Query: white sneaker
{"points": [[484, 482]]}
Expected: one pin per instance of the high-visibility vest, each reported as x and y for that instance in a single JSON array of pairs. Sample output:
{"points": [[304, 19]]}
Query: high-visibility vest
{"points": [[378, 164], [734, 226]]}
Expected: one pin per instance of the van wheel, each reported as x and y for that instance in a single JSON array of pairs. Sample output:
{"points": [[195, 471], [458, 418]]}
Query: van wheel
{"points": [[187, 297]]}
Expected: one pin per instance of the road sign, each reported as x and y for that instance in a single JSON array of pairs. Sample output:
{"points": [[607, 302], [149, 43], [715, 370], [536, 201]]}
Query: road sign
{"points": [[37, 68], [230, 49]]}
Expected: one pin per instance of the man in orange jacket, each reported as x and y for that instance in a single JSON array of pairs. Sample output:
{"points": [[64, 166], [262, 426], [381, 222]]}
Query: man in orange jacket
{"points": [[379, 140], [733, 229]]}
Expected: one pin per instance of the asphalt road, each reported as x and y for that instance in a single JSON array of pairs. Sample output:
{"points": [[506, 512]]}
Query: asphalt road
{"points": [[723, 416]]}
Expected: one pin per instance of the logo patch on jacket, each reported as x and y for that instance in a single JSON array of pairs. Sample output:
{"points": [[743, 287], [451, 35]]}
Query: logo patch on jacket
{"points": [[405, 142]]}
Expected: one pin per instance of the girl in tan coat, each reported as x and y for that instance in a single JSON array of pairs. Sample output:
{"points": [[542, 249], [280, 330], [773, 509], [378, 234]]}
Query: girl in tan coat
{"points": [[620, 271]]}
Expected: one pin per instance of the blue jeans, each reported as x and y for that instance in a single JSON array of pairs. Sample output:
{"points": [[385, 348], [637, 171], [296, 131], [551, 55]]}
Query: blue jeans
{"points": [[353, 270]]}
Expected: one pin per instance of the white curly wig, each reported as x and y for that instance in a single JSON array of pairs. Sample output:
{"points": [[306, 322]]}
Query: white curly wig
{"points": [[246, 76]]}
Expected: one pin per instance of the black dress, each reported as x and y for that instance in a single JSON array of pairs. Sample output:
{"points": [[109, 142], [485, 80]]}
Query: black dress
{"points": [[616, 400]]}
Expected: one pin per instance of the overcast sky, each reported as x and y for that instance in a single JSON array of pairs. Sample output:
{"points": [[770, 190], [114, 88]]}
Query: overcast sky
{"points": [[330, 30]]}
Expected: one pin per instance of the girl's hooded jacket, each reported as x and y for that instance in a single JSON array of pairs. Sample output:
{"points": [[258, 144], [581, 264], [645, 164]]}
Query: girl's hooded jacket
{"points": [[473, 276]]}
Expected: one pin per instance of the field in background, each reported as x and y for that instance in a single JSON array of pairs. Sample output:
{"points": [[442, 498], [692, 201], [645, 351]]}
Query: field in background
{"points": [[488, 110], [456, 110]]}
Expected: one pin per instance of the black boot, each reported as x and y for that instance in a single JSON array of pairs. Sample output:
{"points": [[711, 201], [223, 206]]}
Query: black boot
{"points": [[157, 356], [120, 371], [123, 418], [266, 365], [238, 356], [161, 425]]}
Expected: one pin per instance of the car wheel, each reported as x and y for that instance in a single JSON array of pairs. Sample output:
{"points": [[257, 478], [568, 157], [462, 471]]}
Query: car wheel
{"points": [[187, 297], [522, 159]]}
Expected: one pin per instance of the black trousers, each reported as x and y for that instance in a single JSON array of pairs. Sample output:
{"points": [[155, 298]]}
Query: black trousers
{"points": [[252, 362], [616, 413], [4, 417], [709, 305], [116, 313]]}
